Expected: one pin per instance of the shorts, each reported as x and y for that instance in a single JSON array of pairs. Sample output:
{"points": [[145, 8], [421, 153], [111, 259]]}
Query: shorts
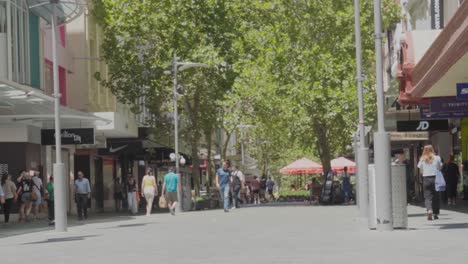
{"points": [[270, 192], [149, 192], [256, 191], [171, 197], [26, 197], [39, 200]]}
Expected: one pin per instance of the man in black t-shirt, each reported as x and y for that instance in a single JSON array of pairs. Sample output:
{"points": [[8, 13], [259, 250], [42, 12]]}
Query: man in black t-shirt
{"points": [[238, 181]]}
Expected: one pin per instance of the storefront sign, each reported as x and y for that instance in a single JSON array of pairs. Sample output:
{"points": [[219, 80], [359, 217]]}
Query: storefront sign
{"points": [[72, 136], [427, 114], [409, 136], [462, 91], [448, 104], [422, 125], [437, 14]]}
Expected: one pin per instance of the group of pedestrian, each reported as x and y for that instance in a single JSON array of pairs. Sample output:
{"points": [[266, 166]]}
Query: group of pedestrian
{"points": [[27, 191], [151, 189], [234, 189]]}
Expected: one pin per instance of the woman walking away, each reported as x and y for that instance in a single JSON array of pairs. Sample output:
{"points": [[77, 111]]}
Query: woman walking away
{"points": [[9, 188], [24, 191], [149, 188], [430, 164], [452, 177], [132, 189]]}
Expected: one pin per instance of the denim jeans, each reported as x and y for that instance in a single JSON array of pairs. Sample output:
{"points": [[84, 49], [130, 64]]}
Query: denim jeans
{"points": [[224, 193]]}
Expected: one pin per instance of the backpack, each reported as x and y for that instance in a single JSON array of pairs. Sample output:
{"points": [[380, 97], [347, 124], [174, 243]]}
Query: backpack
{"points": [[235, 179]]}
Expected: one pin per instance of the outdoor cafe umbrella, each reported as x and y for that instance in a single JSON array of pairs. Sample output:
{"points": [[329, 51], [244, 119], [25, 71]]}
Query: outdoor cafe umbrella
{"points": [[302, 166], [338, 165]]}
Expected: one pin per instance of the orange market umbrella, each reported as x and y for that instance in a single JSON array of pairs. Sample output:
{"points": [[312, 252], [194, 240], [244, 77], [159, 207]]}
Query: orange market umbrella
{"points": [[302, 166], [338, 165]]}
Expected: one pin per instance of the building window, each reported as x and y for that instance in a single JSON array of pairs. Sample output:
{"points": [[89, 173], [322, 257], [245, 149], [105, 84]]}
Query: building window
{"points": [[14, 40]]}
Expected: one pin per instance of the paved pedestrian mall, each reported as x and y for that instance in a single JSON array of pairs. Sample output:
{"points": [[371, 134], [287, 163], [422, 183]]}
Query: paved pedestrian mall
{"points": [[280, 234]]}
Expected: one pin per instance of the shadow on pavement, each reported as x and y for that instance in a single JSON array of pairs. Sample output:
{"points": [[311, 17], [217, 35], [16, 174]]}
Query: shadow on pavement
{"points": [[453, 226], [61, 239]]}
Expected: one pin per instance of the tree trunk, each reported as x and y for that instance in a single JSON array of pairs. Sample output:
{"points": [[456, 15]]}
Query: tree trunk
{"points": [[226, 143], [323, 147]]}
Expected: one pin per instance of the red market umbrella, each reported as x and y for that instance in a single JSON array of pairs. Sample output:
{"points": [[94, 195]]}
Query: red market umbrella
{"points": [[302, 166], [338, 165]]}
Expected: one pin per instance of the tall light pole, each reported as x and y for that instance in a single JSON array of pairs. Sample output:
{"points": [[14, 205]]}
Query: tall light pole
{"points": [[362, 151], [49, 10], [381, 138], [175, 70]]}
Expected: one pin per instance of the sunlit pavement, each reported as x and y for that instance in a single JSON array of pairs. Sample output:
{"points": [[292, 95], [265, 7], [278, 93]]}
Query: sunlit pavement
{"points": [[290, 234]]}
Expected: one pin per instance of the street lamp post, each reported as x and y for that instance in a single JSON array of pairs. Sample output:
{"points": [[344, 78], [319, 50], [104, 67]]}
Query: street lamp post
{"points": [[362, 150], [381, 138], [175, 70], [60, 206]]}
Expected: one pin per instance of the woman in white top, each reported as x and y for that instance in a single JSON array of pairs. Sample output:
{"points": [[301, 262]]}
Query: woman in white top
{"points": [[9, 188], [429, 164], [150, 189]]}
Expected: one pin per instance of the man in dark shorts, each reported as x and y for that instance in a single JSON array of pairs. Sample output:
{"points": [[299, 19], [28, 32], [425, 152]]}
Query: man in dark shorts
{"points": [[255, 186], [170, 187]]}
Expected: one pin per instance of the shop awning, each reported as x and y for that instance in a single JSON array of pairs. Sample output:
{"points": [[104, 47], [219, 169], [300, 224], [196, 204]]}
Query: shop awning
{"points": [[21, 103]]}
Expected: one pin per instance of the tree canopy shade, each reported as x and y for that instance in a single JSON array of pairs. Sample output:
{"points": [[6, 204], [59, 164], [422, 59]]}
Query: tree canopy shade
{"points": [[285, 66]]}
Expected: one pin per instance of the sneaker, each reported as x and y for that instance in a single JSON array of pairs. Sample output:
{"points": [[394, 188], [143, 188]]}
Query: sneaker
{"points": [[429, 216], [436, 217], [51, 223], [172, 211], [226, 210], [232, 208]]}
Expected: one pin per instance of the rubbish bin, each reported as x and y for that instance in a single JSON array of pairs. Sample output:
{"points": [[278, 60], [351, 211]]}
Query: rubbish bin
{"points": [[399, 198]]}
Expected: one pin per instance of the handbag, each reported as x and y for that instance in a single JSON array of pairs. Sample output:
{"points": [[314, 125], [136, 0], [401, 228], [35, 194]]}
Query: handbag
{"points": [[439, 182], [34, 195], [162, 202]]}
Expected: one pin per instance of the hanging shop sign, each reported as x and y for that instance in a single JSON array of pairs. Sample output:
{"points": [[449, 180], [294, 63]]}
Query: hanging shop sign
{"points": [[70, 136], [437, 14], [422, 125]]}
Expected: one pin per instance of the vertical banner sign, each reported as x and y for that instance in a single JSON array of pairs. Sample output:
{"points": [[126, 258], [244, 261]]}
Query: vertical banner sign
{"points": [[437, 14]]}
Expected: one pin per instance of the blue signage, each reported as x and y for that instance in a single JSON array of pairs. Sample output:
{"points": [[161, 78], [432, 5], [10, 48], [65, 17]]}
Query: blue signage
{"points": [[462, 91], [448, 105]]}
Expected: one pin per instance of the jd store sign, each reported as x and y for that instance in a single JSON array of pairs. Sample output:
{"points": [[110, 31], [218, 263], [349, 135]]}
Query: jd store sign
{"points": [[422, 125], [72, 136]]}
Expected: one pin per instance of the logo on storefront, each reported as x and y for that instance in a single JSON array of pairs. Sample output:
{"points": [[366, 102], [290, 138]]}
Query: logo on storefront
{"points": [[462, 91], [72, 136], [423, 126]]}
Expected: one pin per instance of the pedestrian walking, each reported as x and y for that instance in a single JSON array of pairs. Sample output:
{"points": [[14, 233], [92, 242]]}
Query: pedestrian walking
{"points": [[149, 187], [430, 164], [270, 184], [36, 195], [50, 198], [169, 189], [132, 192], [238, 183], [118, 194], [255, 186], [9, 190], [452, 174], [347, 186], [82, 193], [223, 178], [263, 187], [24, 191]]}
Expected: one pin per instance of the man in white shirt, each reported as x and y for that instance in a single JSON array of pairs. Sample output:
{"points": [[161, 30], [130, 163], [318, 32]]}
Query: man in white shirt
{"points": [[37, 187]]}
